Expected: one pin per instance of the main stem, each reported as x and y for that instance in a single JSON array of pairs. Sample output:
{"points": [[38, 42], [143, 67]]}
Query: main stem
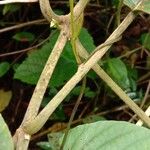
{"points": [[43, 81]]}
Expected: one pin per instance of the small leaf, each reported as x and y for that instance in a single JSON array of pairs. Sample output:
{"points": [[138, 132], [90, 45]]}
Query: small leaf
{"points": [[24, 37], [90, 94], [108, 135], [30, 70], [4, 67], [5, 98], [76, 91], [6, 142], [59, 11], [58, 114], [44, 145], [118, 72], [144, 6], [87, 92], [87, 40], [145, 40]]}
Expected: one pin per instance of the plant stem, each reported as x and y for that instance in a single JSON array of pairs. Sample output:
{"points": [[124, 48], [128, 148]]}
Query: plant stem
{"points": [[73, 38], [22, 25], [3, 2], [118, 14], [21, 140], [147, 112], [79, 8], [47, 11], [36, 124], [46, 74], [105, 77]]}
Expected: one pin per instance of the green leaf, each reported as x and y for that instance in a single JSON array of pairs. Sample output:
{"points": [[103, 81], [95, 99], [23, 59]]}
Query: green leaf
{"points": [[30, 70], [44, 145], [59, 11], [60, 74], [58, 114], [108, 135], [90, 94], [133, 77], [11, 8], [131, 3], [87, 92], [118, 72], [145, 40], [144, 6], [6, 142], [24, 36], [87, 40], [4, 67]]}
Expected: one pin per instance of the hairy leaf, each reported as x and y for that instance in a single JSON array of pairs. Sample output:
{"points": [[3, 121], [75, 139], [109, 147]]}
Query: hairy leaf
{"points": [[30, 70], [108, 135]]}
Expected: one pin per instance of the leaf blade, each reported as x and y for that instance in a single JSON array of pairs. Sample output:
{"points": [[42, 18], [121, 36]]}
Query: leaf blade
{"points": [[6, 142], [30, 70], [108, 135], [144, 6], [4, 67]]}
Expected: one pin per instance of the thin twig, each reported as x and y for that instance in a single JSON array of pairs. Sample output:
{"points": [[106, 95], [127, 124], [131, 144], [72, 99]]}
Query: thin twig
{"points": [[146, 95], [74, 111], [24, 50], [145, 76], [147, 112], [21, 25], [16, 1]]}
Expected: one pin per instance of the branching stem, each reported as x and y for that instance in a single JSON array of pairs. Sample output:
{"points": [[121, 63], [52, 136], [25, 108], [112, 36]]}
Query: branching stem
{"points": [[46, 74], [43, 116]]}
